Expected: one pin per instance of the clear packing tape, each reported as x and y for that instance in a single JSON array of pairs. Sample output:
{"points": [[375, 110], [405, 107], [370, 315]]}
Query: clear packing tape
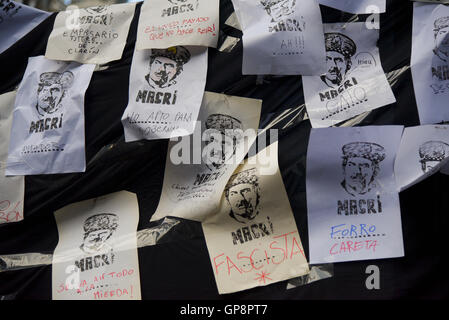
{"points": [[146, 237]]}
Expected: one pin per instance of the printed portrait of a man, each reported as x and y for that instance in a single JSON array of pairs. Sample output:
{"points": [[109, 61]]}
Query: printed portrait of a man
{"points": [[278, 9], [97, 230], [166, 65], [432, 153], [339, 52], [230, 131], [361, 166], [440, 60], [97, 10], [51, 91], [243, 194]]}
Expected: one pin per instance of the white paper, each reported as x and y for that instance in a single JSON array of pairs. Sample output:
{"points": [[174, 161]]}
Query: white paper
{"points": [[193, 185], [354, 81], [90, 35], [352, 198], [11, 188], [430, 61], [16, 20], [91, 262], [166, 87], [167, 23], [281, 37], [47, 134], [423, 151], [356, 6], [253, 239]]}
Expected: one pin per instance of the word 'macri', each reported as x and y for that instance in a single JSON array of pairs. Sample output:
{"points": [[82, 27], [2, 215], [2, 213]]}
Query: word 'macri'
{"points": [[333, 93], [178, 9], [46, 124], [361, 206], [253, 232], [148, 96], [441, 72], [96, 261], [287, 25]]}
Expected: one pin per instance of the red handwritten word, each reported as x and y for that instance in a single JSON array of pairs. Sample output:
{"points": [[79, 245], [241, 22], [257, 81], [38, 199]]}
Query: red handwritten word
{"points": [[281, 247], [353, 246], [207, 30], [170, 25], [100, 294], [7, 214], [195, 20], [92, 285]]}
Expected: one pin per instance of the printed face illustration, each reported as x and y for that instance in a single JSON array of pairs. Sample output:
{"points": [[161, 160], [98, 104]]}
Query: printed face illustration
{"points": [[360, 166], [243, 200], [166, 65], [337, 67], [219, 156], [359, 173], [278, 9], [431, 153], [227, 129], [442, 40], [51, 90], [429, 165], [97, 230], [162, 71], [95, 239], [49, 97], [97, 10]]}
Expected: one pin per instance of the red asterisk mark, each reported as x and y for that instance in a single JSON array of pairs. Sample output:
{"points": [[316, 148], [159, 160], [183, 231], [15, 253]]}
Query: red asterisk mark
{"points": [[263, 277]]}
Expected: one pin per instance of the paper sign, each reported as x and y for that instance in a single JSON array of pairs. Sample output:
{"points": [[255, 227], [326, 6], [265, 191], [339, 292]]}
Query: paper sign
{"points": [[281, 37], [167, 23], [430, 61], [90, 35], [354, 81], [16, 20], [253, 239], [166, 87], [91, 262], [352, 199], [432, 1], [356, 6], [199, 166], [47, 134], [11, 188], [423, 151]]}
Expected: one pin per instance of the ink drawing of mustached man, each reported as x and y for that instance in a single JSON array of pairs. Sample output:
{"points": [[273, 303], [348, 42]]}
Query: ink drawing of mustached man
{"points": [[166, 65], [339, 52], [282, 13], [98, 229], [243, 195], [361, 166], [52, 89], [230, 130]]}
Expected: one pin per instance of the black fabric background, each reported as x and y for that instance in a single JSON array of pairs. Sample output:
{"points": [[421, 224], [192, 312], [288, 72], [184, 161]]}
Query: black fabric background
{"points": [[179, 266]]}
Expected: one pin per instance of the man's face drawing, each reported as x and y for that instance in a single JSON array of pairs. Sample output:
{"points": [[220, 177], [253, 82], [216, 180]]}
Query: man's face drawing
{"points": [[94, 240], [218, 157], [243, 200], [49, 97], [358, 173], [280, 9], [442, 40], [162, 71], [429, 165], [337, 67]]}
